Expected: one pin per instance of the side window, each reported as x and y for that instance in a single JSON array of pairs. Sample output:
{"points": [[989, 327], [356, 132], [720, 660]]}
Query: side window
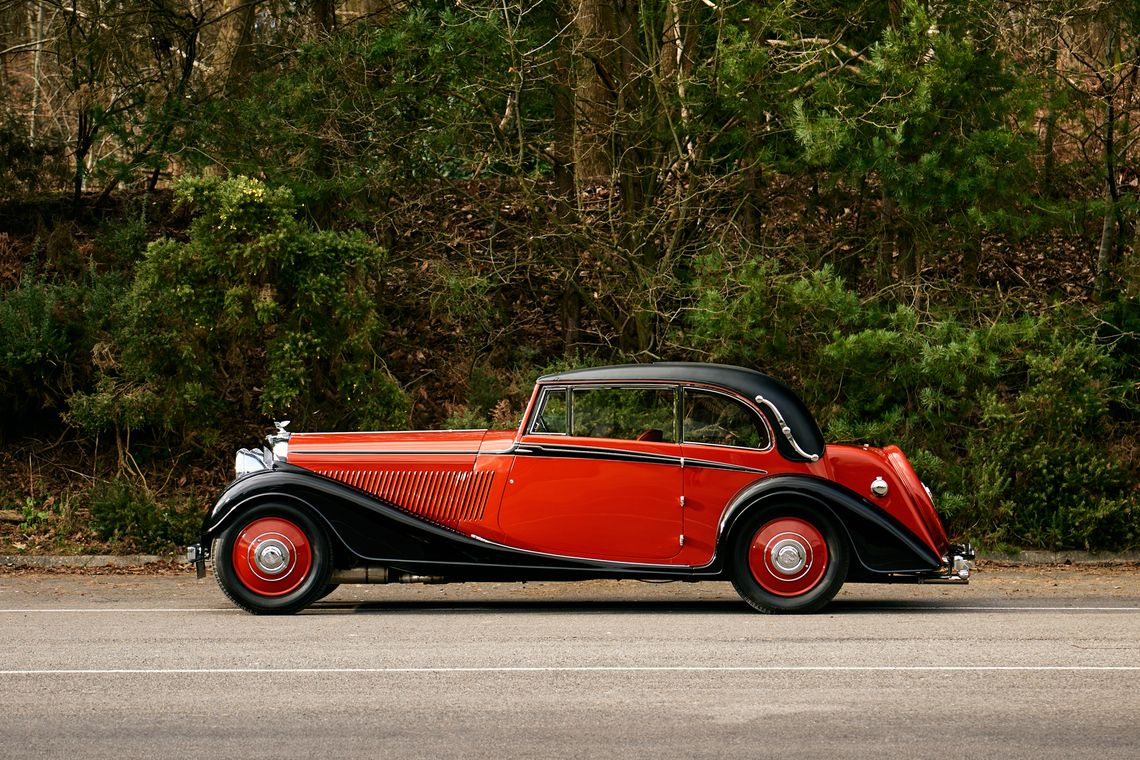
{"points": [[552, 414], [631, 414], [716, 419]]}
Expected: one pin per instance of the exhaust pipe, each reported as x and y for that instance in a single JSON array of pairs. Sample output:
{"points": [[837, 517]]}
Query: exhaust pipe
{"points": [[380, 574]]}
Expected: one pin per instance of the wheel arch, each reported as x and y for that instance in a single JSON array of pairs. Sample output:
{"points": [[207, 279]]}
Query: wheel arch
{"points": [[268, 487], [878, 543], [361, 528]]}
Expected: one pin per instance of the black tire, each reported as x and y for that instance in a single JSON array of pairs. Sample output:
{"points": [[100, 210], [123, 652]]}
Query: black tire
{"points": [[263, 536], [795, 535]]}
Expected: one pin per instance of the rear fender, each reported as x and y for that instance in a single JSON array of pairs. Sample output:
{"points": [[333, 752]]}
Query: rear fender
{"points": [[879, 542]]}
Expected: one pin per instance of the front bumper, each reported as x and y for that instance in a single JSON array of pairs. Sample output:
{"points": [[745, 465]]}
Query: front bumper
{"points": [[197, 554]]}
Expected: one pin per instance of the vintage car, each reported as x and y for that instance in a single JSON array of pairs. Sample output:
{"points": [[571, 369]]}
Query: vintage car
{"points": [[664, 471]]}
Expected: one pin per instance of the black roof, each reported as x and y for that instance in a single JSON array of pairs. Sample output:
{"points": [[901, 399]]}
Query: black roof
{"points": [[747, 382]]}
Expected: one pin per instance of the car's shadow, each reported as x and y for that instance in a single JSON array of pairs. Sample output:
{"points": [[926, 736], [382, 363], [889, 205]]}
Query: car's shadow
{"points": [[615, 606]]}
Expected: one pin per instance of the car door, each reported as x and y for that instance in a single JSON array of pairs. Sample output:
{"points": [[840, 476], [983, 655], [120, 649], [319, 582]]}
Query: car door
{"points": [[726, 445], [597, 474]]}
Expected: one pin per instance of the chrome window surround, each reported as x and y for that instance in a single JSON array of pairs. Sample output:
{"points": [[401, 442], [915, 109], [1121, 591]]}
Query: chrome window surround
{"points": [[546, 391], [679, 411]]}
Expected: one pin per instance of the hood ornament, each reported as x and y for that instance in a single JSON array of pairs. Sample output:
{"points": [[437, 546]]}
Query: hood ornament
{"points": [[281, 435]]}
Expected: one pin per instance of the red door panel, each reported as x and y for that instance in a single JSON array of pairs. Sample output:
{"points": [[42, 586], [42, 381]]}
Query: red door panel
{"points": [[594, 498]]}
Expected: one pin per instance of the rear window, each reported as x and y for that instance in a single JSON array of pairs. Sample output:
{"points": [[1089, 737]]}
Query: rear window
{"points": [[719, 420]]}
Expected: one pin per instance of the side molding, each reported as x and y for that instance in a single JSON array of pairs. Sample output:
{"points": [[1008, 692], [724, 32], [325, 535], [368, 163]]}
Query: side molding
{"points": [[371, 531]]}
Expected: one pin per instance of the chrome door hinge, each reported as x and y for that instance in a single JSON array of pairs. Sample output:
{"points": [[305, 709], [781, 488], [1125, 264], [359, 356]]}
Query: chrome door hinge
{"points": [[682, 539], [682, 502]]}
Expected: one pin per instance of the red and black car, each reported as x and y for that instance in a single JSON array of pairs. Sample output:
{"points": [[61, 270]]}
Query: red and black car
{"points": [[666, 471]]}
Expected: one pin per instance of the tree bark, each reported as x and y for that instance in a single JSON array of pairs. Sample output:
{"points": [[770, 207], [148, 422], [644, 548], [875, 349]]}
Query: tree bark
{"points": [[594, 96], [324, 15], [1106, 253], [570, 312], [37, 69], [235, 36]]}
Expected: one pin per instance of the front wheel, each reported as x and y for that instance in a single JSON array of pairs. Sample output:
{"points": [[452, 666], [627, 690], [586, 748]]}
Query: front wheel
{"points": [[788, 560], [274, 560]]}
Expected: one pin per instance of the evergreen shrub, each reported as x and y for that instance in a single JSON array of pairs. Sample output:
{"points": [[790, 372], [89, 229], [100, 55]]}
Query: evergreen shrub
{"points": [[254, 316], [128, 516], [1014, 423]]}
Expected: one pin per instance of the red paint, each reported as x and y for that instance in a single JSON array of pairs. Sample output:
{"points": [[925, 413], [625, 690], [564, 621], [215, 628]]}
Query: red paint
{"points": [[857, 467], [444, 446], [797, 536], [708, 490], [919, 498], [574, 505], [253, 537]]}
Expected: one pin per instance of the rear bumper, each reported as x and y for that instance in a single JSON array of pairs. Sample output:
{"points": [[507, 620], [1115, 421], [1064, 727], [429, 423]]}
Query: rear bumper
{"points": [[956, 565]]}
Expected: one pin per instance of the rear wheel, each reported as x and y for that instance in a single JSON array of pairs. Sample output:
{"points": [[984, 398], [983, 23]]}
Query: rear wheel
{"points": [[274, 560], [788, 560]]}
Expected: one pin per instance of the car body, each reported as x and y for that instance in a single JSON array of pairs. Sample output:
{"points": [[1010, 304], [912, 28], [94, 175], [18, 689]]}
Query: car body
{"points": [[662, 471]]}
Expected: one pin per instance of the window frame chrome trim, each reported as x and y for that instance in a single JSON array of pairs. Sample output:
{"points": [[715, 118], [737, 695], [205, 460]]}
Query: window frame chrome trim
{"points": [[745, 402]]}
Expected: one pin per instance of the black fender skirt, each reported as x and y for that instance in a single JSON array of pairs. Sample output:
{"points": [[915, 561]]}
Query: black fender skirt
{"points": [[370, 531], [881, 545]]}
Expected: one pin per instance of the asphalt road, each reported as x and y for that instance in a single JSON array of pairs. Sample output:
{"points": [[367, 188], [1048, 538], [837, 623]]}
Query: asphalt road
{"points": [[1041, 664]]}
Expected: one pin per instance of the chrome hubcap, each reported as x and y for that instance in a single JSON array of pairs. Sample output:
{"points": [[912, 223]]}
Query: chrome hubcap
{"points": [[788, 556], [272, 556]]}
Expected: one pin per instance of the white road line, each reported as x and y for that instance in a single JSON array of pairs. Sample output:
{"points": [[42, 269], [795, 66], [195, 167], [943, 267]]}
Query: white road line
{"points": [[107, 610], [428, 607], [592, 669], [980, 607]]}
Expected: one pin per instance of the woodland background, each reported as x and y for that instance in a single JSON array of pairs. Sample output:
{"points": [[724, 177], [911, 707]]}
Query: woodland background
{"points": [[386, 213]]}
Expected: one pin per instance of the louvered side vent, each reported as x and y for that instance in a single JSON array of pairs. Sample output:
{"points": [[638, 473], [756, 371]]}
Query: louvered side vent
{"points": [[442, 496]]}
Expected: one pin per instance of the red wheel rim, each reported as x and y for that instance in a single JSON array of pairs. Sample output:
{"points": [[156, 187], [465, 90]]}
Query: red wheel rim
{"points": [[272, 556], [788, 556]]}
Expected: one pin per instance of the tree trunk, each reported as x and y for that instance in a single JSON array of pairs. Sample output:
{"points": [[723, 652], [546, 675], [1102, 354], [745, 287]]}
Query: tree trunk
{"points": [[594, 95], [1106, 253], [567, 250], [37, 69], [1050, 137], [886, 242], [324, 16], [971, 257], [84, 140], [235, 36]]}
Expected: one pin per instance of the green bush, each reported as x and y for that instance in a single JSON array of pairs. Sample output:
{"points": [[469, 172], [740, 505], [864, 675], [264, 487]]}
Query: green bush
{"points": [[29, 164], [347, 120], [48, 331], [127, 516], [256, 315], [1050, 447], [34, 343], [1015, 423]]}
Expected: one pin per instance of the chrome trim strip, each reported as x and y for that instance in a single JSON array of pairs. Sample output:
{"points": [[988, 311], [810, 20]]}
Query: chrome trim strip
{"points": [[597, 452], [408, 452], [592, 452], [369, 452], [615, 562], [711, 465]]}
